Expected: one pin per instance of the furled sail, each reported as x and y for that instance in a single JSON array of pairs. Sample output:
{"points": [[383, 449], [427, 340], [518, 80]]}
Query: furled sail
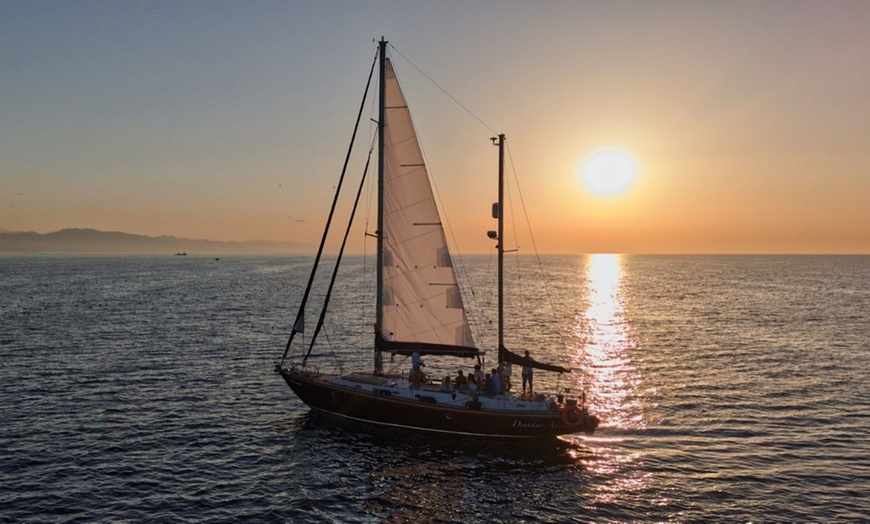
{"points": [[421, 303], [506, 355]]}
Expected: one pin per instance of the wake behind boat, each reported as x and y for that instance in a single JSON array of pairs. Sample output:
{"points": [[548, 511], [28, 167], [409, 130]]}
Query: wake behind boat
{"points": [[419, 311]]}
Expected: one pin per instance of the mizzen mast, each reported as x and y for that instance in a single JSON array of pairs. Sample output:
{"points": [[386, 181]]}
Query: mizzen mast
{"points": [[498, 213]]}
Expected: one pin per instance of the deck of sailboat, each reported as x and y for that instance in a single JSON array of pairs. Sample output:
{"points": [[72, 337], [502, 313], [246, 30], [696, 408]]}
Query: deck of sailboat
{"points": [[398, 388]]}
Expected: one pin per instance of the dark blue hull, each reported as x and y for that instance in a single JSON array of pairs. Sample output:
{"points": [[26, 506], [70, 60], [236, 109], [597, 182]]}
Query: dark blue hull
{"points": [[426, 414]]}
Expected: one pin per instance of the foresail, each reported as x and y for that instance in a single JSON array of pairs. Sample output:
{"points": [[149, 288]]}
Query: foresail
{"points": [[422, 305]]}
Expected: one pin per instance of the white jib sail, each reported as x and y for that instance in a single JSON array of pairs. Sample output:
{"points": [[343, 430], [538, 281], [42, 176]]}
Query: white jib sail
{"points": [[421, 300]]}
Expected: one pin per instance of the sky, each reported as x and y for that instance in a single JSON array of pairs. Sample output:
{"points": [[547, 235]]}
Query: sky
{"points": [[748, 122]]}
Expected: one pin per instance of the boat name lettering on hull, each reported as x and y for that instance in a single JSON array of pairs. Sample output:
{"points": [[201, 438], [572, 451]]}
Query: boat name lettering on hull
{"points": [[533, 424]]}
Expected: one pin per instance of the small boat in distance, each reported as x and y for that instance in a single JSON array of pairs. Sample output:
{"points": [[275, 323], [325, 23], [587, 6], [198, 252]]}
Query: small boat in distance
{"points": [[181, 254], [419, 311]]}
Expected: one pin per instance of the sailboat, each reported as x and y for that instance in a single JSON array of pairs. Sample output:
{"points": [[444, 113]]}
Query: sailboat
{"points": [[419, 310]]}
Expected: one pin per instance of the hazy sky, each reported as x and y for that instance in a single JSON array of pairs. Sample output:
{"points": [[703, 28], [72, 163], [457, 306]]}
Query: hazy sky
{"points": [[749, 121]]}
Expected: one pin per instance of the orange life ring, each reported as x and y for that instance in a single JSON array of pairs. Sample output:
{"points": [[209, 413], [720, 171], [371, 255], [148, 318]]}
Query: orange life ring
{"points": [[572, 417]]}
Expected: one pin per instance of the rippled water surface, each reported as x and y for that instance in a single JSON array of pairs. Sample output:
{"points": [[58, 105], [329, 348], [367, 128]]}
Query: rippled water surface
{"points": [[141, 388]]}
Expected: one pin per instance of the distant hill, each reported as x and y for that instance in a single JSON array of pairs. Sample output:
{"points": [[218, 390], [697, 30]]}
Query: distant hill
{"points": [[93, 241]]}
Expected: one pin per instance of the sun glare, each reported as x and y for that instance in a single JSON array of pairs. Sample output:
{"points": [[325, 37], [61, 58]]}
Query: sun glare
{"points": [[608, 173]]}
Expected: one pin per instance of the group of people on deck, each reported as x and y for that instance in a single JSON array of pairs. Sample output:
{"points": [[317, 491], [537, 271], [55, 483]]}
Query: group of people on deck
{"points": [[478, 382], [496, 382]]}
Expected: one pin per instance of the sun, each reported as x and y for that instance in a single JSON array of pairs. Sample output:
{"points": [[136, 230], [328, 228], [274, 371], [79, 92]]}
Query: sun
{"points": [[608, 173]]}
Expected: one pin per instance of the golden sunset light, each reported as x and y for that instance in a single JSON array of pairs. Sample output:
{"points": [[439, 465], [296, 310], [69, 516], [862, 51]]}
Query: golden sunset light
{"points": [[672, 128], [450, 261]]}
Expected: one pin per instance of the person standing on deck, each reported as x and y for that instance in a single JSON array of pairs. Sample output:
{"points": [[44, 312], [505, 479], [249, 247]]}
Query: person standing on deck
{"points": [[527, 373], [417, 376], [488, 385]]}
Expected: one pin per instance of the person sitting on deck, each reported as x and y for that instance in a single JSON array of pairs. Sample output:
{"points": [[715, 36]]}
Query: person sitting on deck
{"points": [[496, 382], [460, 382], [445, 385], [416, 378], [478, 375]]}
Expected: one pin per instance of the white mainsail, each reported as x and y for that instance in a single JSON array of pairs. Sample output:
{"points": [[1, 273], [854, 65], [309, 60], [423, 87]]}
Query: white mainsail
{"points": [[422, 304]]}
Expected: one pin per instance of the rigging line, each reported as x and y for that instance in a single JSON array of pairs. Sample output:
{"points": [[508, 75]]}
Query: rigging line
{"points": [[518, 262], [370, 198], [366, 273], [513, 216], [323, 309], [336, 361], [300, 314], [534, 244], [373, 129], [488, 284], [442, 89]]}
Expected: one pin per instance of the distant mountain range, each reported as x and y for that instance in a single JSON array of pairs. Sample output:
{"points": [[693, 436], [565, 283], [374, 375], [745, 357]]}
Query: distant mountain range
{"points": [[93, 241]]}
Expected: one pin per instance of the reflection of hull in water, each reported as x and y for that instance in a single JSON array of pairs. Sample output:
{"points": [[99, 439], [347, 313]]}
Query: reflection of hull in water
{"points": [[391, 402]]}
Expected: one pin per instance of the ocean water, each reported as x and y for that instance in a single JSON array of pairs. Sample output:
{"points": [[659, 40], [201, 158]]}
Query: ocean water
{"points": [[141, 388]]}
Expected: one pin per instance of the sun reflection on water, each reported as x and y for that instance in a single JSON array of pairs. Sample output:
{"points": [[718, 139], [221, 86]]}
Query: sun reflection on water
{"points": [[605, 347], [606, 343]]}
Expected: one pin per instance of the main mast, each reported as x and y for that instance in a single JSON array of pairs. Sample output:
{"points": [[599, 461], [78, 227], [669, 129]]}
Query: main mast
{"points": [[379, 316], [500, 246]]}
